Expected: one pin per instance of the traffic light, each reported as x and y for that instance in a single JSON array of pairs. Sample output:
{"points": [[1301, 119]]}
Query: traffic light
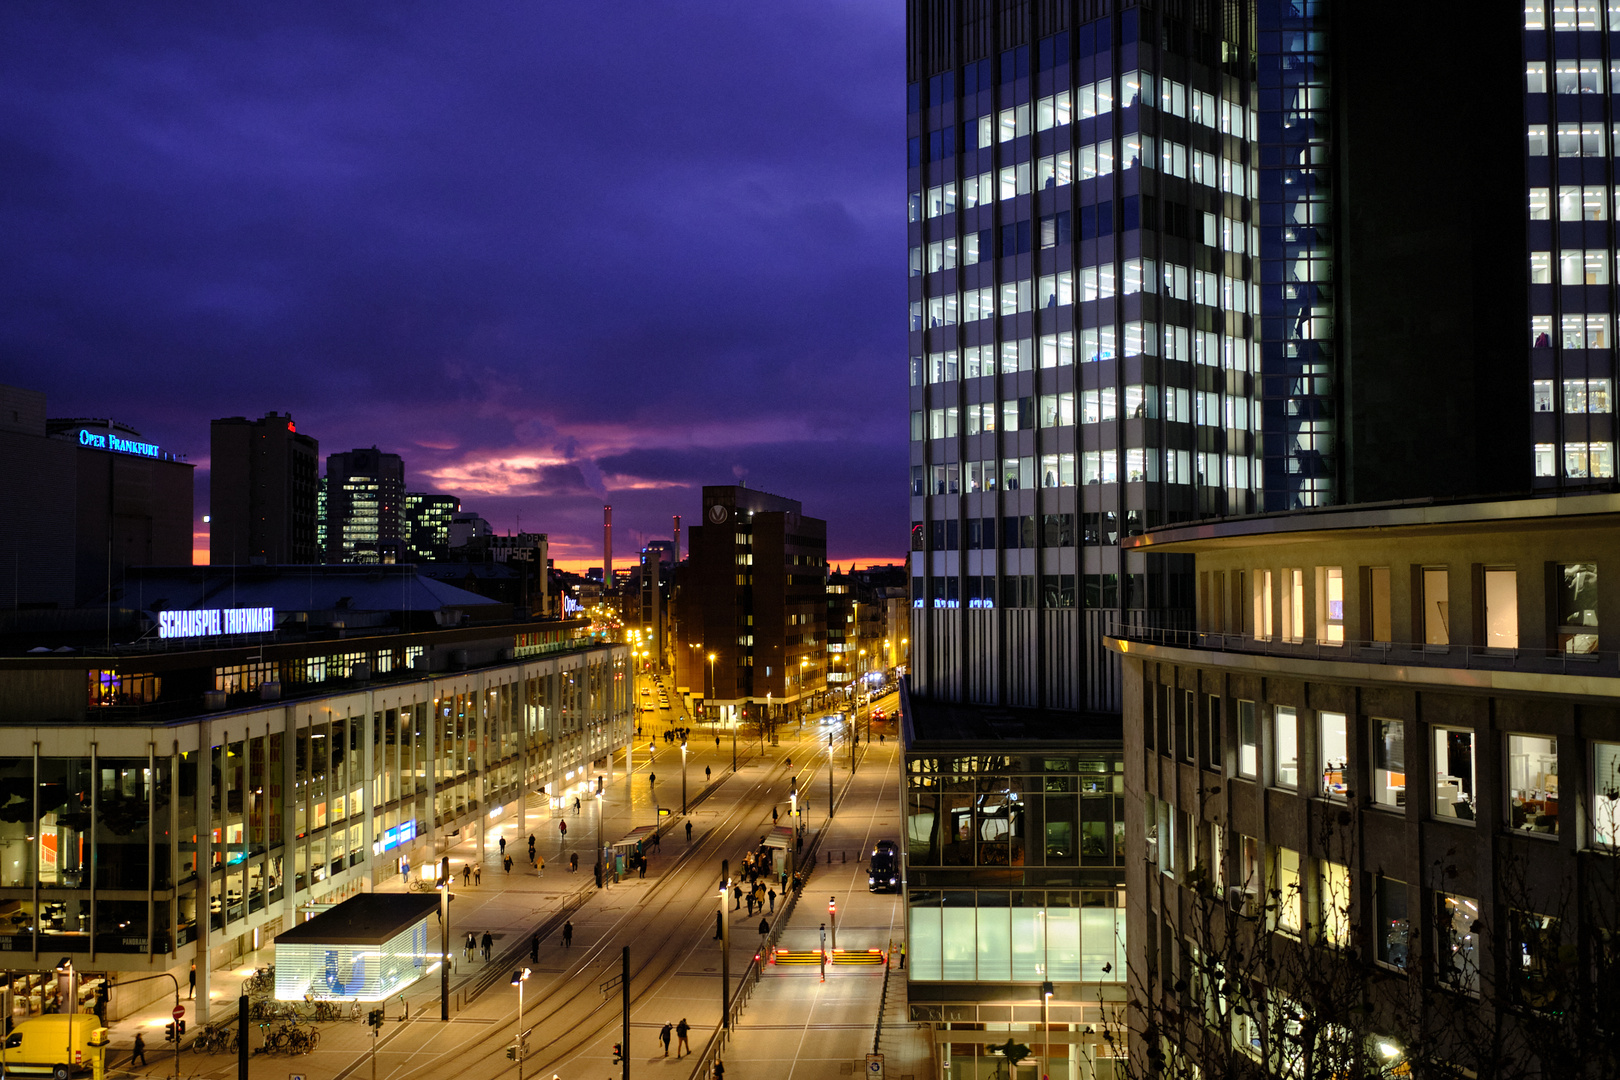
{"points": [[375, 1018], [182, 1026], [511, 1053], [168, 1033], [618, 1053], [832, 906]]}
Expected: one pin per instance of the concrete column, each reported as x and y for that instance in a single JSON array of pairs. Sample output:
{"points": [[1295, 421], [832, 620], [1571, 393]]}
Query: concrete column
{"points": [[368, 800]]}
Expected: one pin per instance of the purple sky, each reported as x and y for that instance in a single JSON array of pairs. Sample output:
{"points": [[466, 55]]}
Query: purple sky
{"points": [[552, 254]]}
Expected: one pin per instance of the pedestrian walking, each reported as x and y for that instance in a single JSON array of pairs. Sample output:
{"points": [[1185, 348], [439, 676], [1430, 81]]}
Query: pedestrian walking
{"points": [[902, 956], [736, 890], [663, 1036], [688, 832], [568, 935], [478, 875], [472, 943], [534, 949], [509, 864], [488, 943], [573, 861], [750, 899], [764, 928], [642, 867], [652, 778], [193, 991], [772, 894], [682, 1030], [773, 815], [562, 827], [139, 1053], [466, 874], [708, 773], [540, 865], [503, 845], [576, 808], [719, 1069]]}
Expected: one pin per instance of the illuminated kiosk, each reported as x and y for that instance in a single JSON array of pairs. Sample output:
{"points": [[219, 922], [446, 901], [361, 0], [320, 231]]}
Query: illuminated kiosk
{"points": [[367, 948]]}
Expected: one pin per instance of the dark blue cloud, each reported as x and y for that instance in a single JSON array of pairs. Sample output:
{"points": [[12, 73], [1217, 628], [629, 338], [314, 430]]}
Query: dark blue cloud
{"points": [[577, 232]]}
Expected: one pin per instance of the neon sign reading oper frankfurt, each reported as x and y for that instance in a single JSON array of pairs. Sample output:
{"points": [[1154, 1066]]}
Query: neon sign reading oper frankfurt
{"points": [[110, 441], [212, 622]]}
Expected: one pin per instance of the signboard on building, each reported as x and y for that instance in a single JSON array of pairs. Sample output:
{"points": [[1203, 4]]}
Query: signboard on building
{"points": [[117, 444], [212, 622]]}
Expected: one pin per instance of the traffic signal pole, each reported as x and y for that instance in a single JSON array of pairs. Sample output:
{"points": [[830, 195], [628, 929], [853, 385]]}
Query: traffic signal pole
{"points": [[444, 938], [624, 988]]}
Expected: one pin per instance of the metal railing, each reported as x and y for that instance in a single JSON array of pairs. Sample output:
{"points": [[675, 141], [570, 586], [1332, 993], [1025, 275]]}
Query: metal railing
{"points": [[1384, 653]]}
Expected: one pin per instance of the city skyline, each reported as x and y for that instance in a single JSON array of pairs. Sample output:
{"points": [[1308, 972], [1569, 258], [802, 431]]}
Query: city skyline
{"points": [[438, 238]]}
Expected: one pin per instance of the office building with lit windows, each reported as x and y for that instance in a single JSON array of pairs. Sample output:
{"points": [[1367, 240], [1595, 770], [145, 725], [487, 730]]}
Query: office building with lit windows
{"points": [[263, 740], [1169, 263], [365, 507], [427, 525], [1378, 784]]}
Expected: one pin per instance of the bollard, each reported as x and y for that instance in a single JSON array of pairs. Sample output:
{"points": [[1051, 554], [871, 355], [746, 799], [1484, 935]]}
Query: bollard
{"points": [[845, 856], [829, 858]]}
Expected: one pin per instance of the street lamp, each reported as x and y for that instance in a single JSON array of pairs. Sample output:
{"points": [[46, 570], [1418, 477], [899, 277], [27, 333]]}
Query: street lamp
{"points": [[710, 698], [519, 977], [860, 682], [599, 860], [683, 774], [802, 664]]}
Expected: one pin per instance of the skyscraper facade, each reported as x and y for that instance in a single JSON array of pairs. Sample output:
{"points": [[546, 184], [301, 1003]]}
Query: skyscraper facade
{"points": [[1083, 355], [262, 478], [1174, 262], [365, 507]]}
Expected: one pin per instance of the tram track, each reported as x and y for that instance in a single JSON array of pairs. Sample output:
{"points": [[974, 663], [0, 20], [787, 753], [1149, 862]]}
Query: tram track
{"points": [[572, 1021]]}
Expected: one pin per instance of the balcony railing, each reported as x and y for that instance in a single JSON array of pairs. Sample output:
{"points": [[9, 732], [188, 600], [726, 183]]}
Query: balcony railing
{"points": [[1605, 664]]}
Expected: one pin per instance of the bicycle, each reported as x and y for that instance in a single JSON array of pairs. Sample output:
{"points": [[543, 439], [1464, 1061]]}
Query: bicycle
{"points": [[422, 885]]}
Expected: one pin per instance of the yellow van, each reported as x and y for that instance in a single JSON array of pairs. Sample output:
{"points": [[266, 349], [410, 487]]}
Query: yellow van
{"points": [[54, 1046]]}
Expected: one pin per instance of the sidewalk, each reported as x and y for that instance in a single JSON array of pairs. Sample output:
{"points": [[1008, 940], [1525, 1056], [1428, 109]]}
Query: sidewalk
{"points": [[511, 907]]}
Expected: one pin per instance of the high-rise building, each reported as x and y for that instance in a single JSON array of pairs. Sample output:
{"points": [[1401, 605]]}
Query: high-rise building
{"points": [[1173, 262], [1164, 268], [262, 487], [365, 507], [427, 525], [752, 596]]}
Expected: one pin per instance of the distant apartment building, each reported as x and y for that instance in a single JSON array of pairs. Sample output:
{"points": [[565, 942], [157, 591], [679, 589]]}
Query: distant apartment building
{"points": [[365, 507], [752, 607], [427, 525], [263, 483]]}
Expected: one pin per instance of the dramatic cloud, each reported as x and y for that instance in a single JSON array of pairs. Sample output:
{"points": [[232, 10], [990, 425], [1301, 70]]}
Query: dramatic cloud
{"points": [[553, 255]]}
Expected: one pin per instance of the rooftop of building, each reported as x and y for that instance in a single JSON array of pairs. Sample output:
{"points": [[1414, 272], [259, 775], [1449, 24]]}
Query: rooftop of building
{"points": [[372, 918], [1456, 516]]}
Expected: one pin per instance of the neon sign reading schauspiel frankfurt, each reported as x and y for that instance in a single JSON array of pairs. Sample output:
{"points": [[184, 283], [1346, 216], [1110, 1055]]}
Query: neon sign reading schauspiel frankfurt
{"points": [[110, 441], [211, 622]]}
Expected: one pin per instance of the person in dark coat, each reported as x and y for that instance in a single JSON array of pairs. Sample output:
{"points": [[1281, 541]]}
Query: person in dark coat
{"points": [[488, 944], [663, 1036], [139, 1053], [682, 1030], [568, 935]]}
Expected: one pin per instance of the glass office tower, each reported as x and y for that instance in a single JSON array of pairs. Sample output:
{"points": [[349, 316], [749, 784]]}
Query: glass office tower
{"points": [[1082, 224], [1570, 146]]}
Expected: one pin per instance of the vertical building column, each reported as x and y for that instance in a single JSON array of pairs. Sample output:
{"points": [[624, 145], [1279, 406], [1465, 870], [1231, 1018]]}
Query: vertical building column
{"points": [[368, 797]]}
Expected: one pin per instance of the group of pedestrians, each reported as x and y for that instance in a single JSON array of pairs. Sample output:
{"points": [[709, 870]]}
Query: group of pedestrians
{"points": [[681, 1030], [474, 944]]}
